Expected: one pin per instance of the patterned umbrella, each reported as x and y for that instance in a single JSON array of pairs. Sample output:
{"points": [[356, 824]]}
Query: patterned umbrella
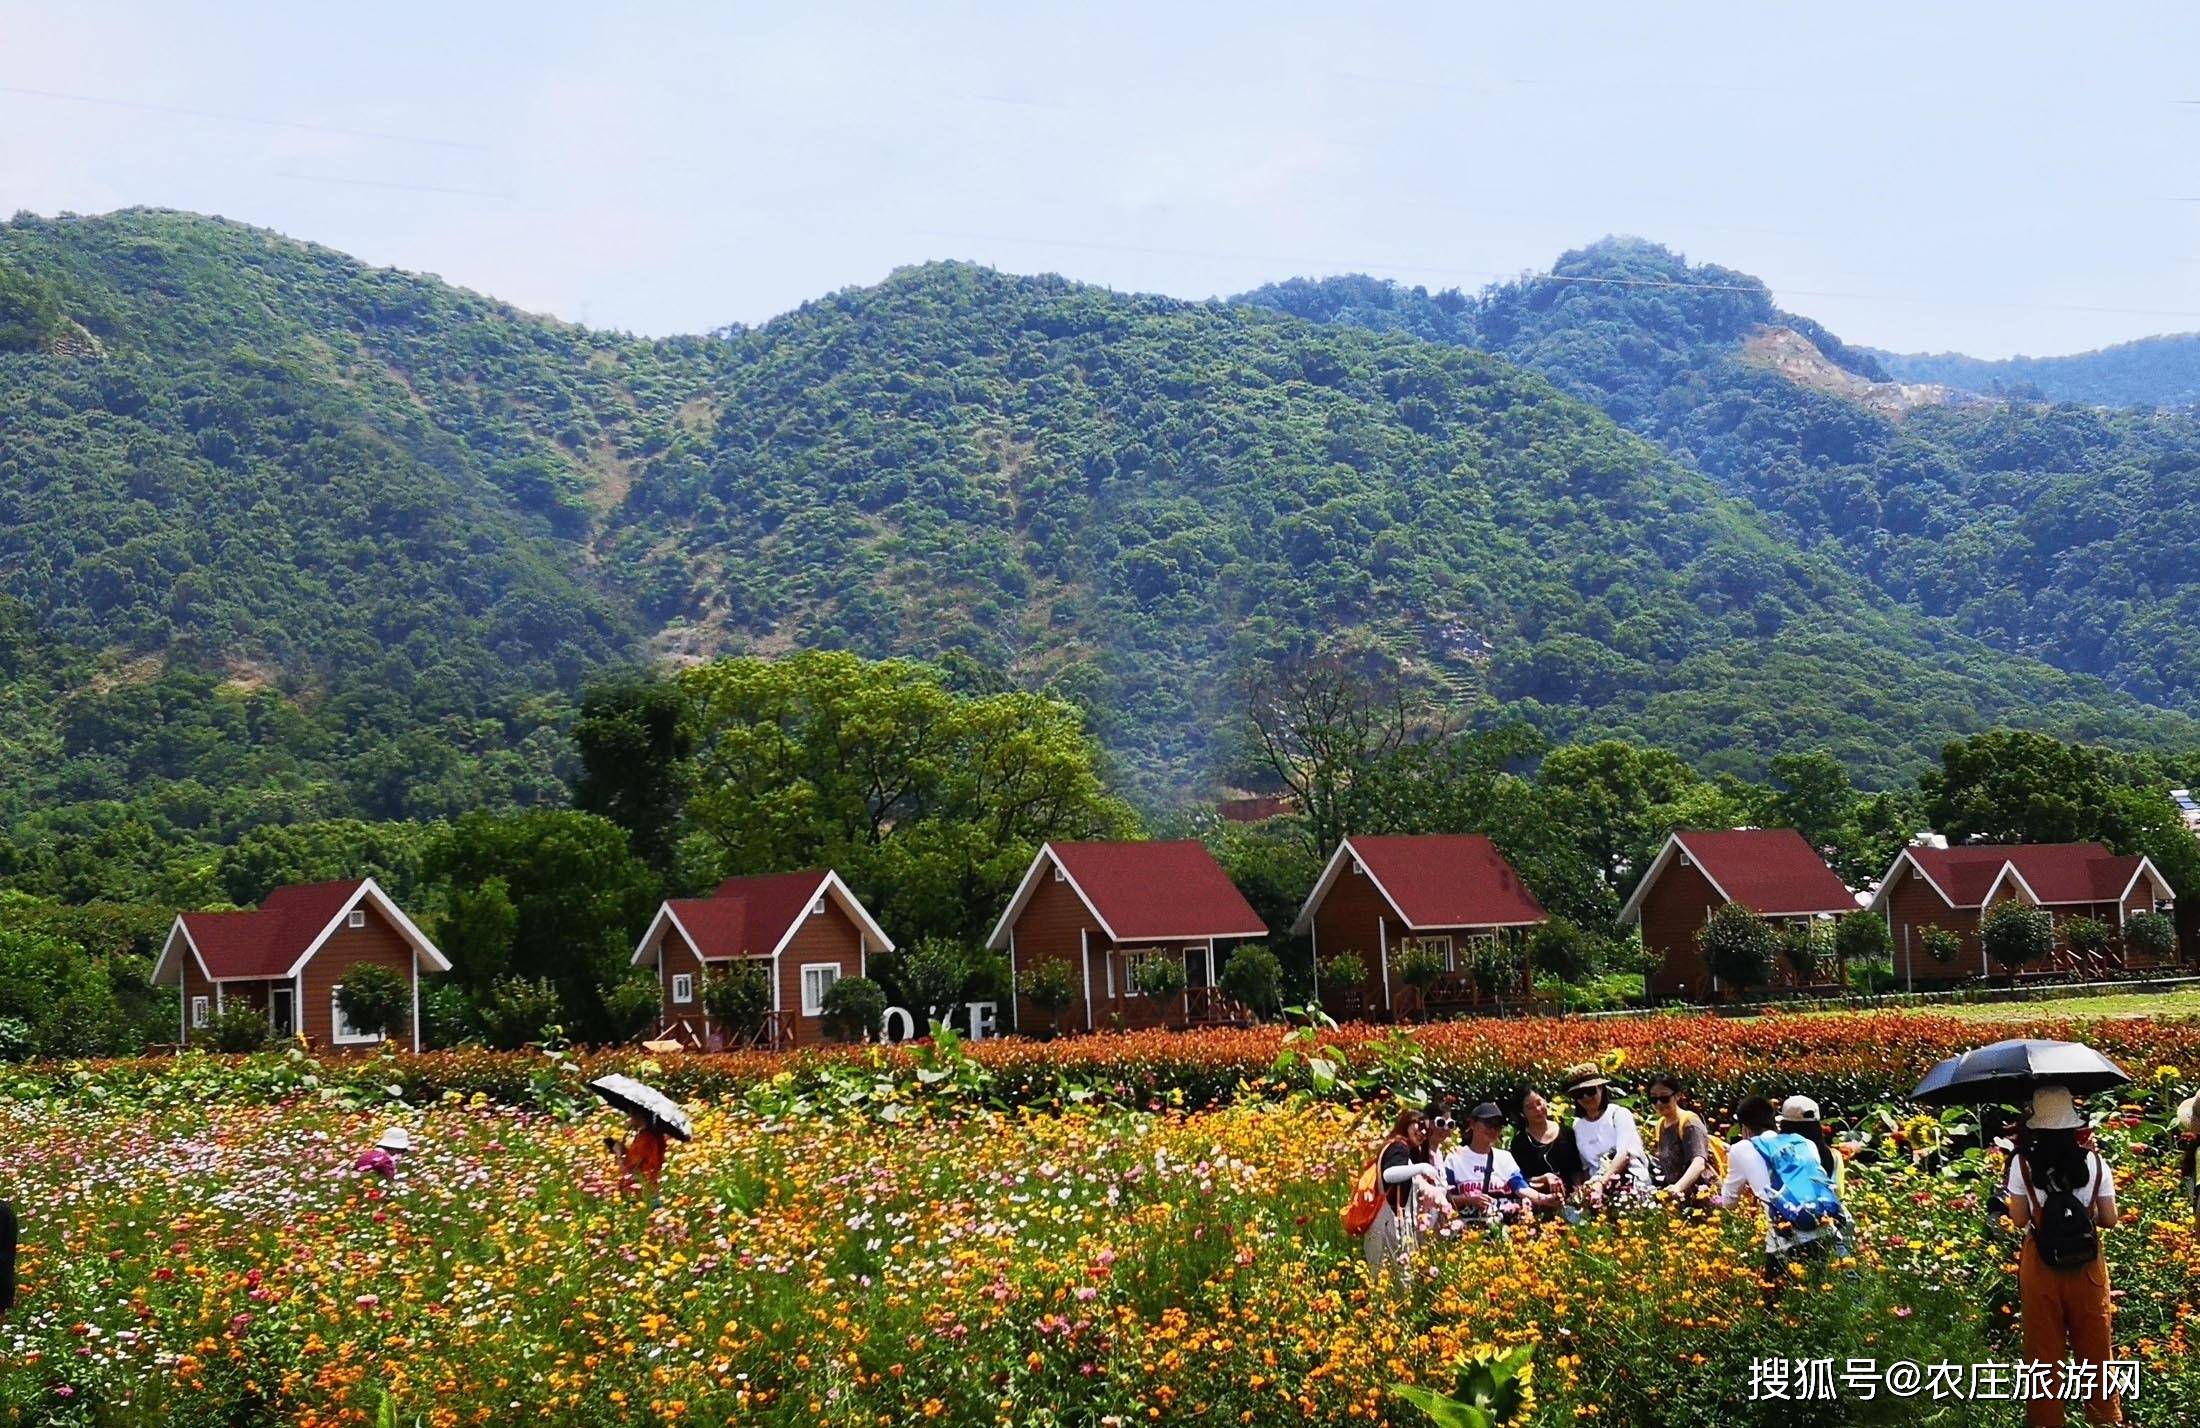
{"points": [[629, 1094]]}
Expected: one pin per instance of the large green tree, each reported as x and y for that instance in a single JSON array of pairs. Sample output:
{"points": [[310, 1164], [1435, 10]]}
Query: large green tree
{"points": [[632, 735], [932, 802], [578, 900]]}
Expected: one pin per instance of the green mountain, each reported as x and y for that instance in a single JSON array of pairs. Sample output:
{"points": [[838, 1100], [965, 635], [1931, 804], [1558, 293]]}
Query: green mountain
{"points": [[2151, 372], [287, 536], [2056, 532]]}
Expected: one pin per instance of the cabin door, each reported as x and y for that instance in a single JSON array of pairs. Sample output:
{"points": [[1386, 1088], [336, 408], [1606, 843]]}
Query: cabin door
{"points": [[282, 1012]]}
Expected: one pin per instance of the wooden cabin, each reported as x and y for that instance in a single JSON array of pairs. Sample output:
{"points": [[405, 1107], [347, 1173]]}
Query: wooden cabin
{"points": [[1103, 908], [1454, 893], [807, 930], [288, 959], [1951, 888], [1773, 872]]}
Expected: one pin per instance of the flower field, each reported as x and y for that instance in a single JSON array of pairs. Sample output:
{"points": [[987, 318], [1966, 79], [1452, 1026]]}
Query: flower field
{"points": [[939, 1253]]}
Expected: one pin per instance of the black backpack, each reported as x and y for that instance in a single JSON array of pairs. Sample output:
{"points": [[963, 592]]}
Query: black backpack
{"points": [[2062, 1224]]}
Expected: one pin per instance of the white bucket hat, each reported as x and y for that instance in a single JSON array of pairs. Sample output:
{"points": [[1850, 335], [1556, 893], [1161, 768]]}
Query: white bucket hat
{"points": [[396, 1138], [2052, 1109]]}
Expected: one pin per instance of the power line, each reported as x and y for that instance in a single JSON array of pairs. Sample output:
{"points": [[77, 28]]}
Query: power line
{"points": [[1491, 275], [216, 115], [385, 183]]}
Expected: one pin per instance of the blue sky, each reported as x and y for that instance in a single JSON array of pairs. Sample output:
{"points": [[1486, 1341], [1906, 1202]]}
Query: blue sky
{"points": [[1992, 179]]}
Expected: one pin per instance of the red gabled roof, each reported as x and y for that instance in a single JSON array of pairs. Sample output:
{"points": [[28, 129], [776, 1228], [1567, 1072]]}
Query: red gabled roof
{"points": [[1158, 890], [266, 943], [1448, 880], [2055, 872], [1772, 870], [748, 917]]}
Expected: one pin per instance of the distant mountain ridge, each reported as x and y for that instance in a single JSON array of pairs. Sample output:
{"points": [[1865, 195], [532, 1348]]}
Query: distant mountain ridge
{"points": [[285, 536], [2060, 532], [2150, 372]]}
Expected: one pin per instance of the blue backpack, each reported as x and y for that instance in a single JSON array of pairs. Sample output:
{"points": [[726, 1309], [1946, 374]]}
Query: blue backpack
{"points": [[1802, 1193]]}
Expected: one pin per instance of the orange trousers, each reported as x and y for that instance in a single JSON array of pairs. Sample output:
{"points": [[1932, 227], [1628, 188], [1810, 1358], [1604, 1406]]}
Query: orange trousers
{"points": [[2066, 1316]]}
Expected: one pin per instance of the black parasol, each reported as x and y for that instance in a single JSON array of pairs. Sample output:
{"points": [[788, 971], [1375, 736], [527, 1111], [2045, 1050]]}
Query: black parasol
{"points": [[2007, 1073]]}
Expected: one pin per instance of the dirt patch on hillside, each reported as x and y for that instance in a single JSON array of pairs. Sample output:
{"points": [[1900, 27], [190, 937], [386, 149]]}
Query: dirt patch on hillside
{"points": [[1798, 359]]}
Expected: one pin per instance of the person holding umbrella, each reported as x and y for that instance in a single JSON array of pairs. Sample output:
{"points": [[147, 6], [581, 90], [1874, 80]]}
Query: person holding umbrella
{"points": [[652, 1116], [2061, 1196]]}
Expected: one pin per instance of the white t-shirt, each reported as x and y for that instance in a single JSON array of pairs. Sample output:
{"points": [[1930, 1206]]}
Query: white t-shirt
{"points": [[1467, 1167], [2100, 1184], [1599, 1140]]}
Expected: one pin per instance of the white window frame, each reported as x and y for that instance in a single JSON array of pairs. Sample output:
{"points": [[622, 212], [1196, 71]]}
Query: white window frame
{"points": [[817, 909], [200, 1011], [816, 1007], [1133, 959], [1061, 874], [683, 987], [357, 917], [339, 1033]]}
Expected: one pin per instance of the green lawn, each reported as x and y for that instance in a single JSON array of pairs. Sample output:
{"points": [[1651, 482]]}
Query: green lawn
{"points": [[2184, 1002]]}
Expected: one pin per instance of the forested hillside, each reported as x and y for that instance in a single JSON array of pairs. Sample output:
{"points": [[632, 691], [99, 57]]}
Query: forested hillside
{"points": [[2152, 372], [288, 537], [1134, 498], [291, 536], [2060, 532]]}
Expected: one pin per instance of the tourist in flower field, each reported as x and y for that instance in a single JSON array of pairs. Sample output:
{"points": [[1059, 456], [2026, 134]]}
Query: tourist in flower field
{"points": [[1543, 1149], [1388, 1242], [1606, 1139], [2062, 1195], [7, 1256], [1435, 1146], [1681, 1153], [642, 1154], [383, 1156], [1749, 1170], [2188, 1136], [1487, 1182], [1799, 1116]]}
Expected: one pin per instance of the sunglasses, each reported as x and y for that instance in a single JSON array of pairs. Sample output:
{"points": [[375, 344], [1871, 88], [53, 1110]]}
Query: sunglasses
{"points": [[1658, 1100], [1589, 1094]]}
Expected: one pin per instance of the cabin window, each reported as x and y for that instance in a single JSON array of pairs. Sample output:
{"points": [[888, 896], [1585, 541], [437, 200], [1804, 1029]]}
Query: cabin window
{"points": [[817, 909], [683, 987], [817, 980], [1441, 946], [198, 1011], [356, 918], [1357, 868], [1133, 959], [1059, 875], [341, 1031]]}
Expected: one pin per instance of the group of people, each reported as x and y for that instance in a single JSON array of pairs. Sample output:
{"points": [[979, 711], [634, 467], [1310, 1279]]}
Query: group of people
{"points": [[1431, 1168], [2057, 1191]]}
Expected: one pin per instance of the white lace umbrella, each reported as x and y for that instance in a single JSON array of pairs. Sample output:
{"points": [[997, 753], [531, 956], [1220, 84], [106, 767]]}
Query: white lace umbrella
{"points": [[629, 1094]]}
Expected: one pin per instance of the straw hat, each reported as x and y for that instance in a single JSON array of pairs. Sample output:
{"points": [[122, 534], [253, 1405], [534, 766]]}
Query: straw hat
{"points": [[2053, 1109], [1586, 1076], [396, 1138]]}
